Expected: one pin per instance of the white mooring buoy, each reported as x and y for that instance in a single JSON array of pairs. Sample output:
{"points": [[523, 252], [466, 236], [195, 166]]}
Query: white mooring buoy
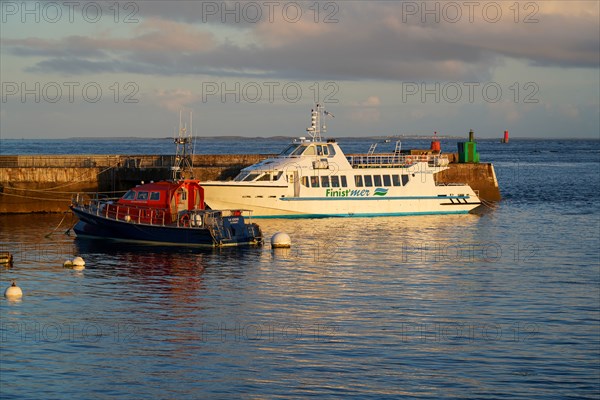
{"points": [[78, 264], [13, 292], [281, 240], [68, 264]]}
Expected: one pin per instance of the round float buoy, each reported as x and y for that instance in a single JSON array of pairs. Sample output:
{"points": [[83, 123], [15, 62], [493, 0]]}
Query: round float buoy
{"points": [[13, 292], [68, 264], [78, 261], [78, 264], [281, 240]]}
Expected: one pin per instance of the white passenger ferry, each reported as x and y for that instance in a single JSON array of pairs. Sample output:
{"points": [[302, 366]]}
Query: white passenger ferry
{"points": [[313, 178]]}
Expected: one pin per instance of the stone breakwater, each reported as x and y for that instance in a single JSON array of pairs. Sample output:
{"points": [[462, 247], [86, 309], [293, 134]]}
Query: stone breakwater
{"points": [[43, 183]]}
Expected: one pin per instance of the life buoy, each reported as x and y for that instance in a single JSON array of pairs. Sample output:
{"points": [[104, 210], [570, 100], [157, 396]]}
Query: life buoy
{"points": [[185, 220], [409, 159]]}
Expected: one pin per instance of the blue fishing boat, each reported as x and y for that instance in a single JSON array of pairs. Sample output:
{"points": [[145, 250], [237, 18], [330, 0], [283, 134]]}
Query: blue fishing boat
{"points": [[167, 212]]}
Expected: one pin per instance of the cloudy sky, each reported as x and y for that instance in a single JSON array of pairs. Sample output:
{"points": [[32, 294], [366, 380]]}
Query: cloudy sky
{"points": [[256, 68]]}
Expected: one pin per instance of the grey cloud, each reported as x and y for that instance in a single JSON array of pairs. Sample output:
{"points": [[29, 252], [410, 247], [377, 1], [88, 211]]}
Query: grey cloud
{"points": [[371, 42]]}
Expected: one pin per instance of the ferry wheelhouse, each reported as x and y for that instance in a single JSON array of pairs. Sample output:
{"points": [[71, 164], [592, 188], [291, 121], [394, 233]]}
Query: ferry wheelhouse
{"points": [[314, 178]]}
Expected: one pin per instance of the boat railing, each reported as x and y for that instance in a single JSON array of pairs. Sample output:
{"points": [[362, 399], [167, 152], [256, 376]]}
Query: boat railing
{"points": [[110, 208], [396, 160]]}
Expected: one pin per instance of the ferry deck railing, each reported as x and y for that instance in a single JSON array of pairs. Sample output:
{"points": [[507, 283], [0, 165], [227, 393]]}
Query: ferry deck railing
{"points": [[395, 160]]}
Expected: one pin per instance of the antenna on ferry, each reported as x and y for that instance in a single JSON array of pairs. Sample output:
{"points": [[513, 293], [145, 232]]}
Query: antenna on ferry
{"points": [[316, 128]]}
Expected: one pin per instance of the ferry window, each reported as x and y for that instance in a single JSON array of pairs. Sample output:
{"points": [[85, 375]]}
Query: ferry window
{"points": [[358, 181], [304, 181], [335, 181], [240, 176], [250, 177], [404, 180], [387, 181], [298, 150], [331, 150], [377, 180], [276, 178], [129, 195], [142, 196], [396, 180], [322, 150], [155, 196], [344, 182], [265, 178], [324, 181], [288, 150], [314, 181], [368, 180], [310, 151]]}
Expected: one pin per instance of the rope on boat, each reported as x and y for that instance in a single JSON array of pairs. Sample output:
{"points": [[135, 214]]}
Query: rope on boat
{"points": [[67, 184], [61, 221], [488, 204], [59, 192], [35, 198]]}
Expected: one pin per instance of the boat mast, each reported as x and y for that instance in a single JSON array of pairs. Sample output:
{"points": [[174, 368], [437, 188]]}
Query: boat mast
{"points": [[315, 129], [184, 163]]}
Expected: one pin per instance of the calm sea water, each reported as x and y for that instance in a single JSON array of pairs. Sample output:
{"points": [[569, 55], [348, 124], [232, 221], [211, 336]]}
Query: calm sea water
{"points": [[503, 304]]}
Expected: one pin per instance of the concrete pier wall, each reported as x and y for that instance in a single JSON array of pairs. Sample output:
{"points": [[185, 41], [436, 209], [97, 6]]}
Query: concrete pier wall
{"points": [[47, 183]]}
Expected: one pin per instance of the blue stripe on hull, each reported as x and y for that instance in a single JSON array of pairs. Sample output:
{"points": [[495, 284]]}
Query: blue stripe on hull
{"points": [[361, 215]]}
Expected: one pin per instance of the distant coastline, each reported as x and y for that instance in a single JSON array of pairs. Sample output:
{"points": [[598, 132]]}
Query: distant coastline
{"points": [[232, 138]]}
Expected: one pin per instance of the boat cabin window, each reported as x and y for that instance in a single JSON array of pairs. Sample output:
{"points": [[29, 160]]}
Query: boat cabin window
{"points": [[288, 150], [299, 150], [250, 177], [240, 177], [130, 195], [331, 150], [404, 180], [324, 181], [265, 178], [310, 151], [335, 181], [377, 180], [142, 196], [387, 181], [344, 182], [276, 178], [314, 181], [304, 181], [322, 150], [396, 180], [155, 196], [368, 180], [358, 181]]}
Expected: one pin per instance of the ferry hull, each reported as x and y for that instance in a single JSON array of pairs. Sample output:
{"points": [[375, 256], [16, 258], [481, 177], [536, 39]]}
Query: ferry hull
{"points": [[219, 197]]}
